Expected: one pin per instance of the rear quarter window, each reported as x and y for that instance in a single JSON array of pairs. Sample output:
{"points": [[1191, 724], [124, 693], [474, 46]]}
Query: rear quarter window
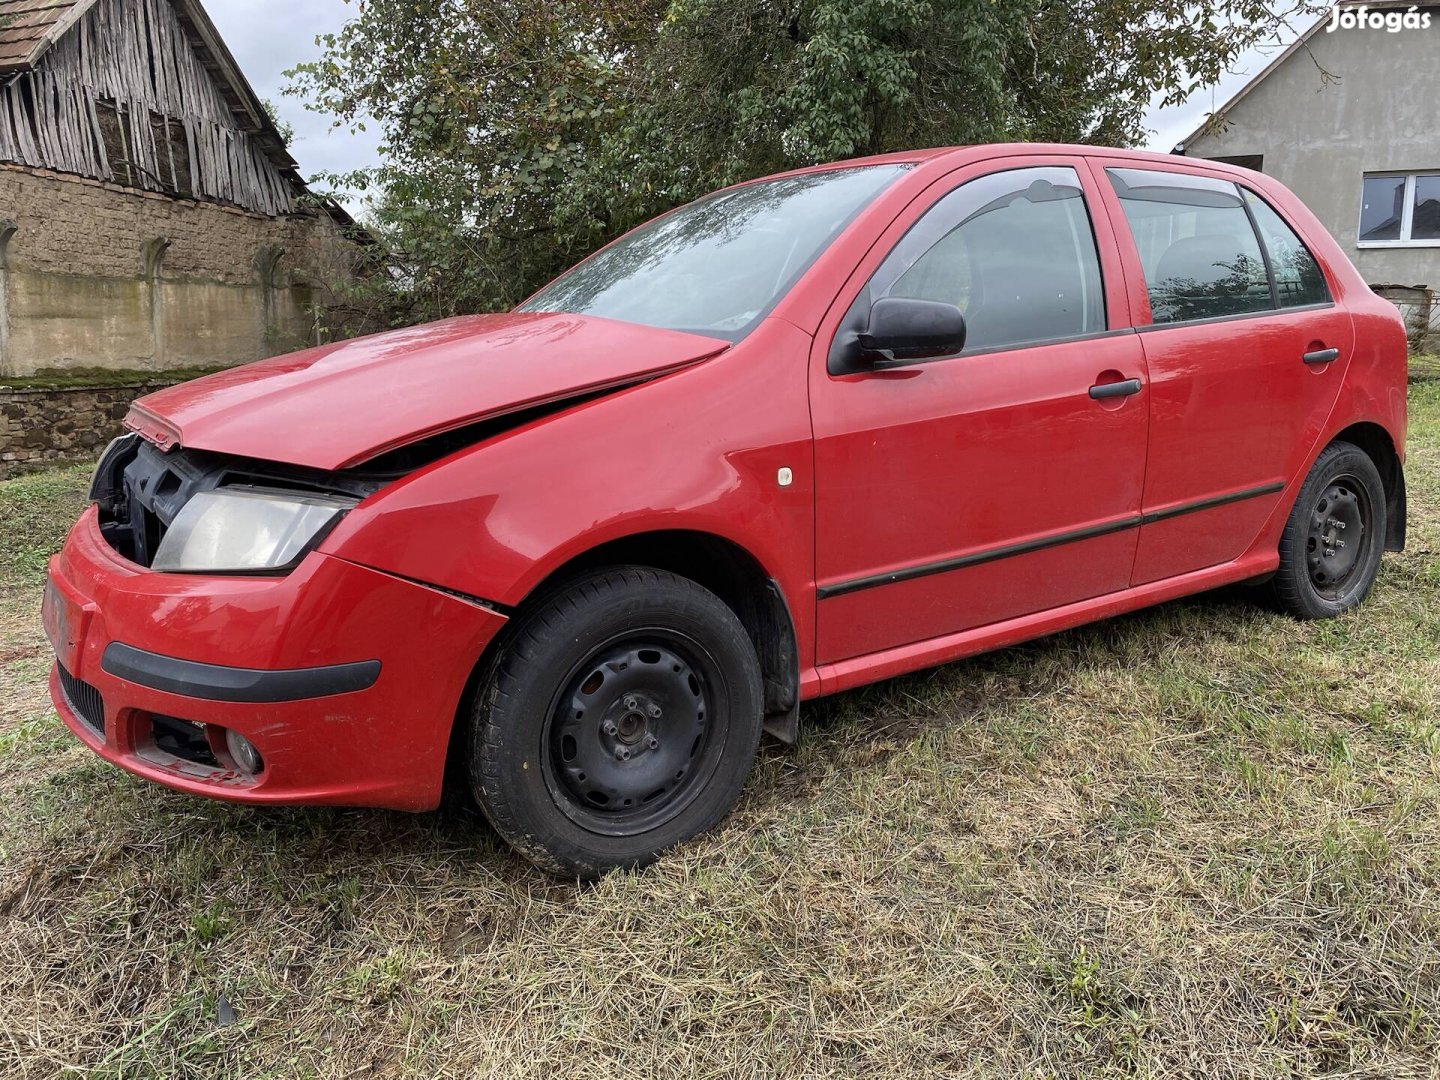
{"points": [[1298, 278]]}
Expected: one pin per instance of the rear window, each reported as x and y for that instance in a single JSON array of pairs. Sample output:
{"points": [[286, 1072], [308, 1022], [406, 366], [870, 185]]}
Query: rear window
{"points": [[1199, 251]]}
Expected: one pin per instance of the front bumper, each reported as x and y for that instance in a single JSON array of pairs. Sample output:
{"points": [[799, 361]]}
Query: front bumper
{"points": [[346, 679]]}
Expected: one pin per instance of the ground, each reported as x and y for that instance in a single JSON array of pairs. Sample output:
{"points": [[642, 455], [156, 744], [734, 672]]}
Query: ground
{"points": [[1201, 840]]}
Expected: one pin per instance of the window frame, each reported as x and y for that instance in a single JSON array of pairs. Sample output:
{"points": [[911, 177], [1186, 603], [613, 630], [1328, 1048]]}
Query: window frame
{"points": [[1087, 197], [1407, 210], [1121, 223]]}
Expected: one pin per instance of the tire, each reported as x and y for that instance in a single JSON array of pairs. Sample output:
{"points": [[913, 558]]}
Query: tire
{"points": [[619, 717], [1331, 547]]}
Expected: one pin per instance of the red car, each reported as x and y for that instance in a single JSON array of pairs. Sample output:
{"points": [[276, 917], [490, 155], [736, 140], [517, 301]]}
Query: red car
{"points": [[803, 434]]}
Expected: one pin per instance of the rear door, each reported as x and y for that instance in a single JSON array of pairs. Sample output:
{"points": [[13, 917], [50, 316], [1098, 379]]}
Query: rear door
{"points": [[970, 489], [1246, 354]]}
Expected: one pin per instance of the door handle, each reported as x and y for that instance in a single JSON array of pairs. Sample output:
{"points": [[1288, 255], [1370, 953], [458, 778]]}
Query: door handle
{"points": [[1115, 389], [1321, 356]]}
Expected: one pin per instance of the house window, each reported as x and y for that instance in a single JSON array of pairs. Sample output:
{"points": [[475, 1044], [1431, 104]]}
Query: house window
{"points": [[1401, 208]]}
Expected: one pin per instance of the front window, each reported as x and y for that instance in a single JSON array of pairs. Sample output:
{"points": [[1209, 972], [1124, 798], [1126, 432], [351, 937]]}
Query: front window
{"points": [[1014, 251], [719, 265], [1401, 209]]}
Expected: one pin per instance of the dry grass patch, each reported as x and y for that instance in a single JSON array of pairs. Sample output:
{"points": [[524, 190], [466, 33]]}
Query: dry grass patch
{"points": [[1202, 840]]}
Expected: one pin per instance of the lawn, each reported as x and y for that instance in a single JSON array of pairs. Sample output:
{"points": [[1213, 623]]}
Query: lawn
{"points": [[1202, 840]]}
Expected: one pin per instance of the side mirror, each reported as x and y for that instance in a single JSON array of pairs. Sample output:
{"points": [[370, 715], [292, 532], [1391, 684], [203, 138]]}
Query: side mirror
{"points": [[906, 329]]}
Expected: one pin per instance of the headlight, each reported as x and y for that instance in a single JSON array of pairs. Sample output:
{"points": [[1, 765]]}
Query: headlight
{"points": [[242, 530]]}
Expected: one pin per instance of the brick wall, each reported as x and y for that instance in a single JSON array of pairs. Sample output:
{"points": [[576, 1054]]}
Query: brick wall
{"points": [[98, 275], [43, 427]]}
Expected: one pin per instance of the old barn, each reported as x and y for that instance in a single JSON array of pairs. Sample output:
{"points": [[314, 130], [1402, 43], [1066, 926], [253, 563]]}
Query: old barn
{"points": [[151, 216]]}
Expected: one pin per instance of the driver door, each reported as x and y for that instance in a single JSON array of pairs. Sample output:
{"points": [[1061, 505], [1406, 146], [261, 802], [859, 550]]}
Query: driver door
{"points": [[966, 490]]}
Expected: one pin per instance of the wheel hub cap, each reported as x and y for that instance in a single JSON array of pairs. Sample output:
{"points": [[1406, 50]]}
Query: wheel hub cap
{"points": [[1337, 535], [628, 731]]}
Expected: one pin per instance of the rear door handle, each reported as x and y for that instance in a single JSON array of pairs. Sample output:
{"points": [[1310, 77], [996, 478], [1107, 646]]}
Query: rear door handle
{"points": [[1115, 389], [1321, 356]]}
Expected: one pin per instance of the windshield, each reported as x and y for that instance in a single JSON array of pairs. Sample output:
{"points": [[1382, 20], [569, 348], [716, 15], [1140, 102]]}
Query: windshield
{"points": [[718, 265]]}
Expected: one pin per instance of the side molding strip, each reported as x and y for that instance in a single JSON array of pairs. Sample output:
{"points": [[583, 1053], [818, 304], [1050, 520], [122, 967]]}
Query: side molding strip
{"points": [[909, 573], [1210, 504]]}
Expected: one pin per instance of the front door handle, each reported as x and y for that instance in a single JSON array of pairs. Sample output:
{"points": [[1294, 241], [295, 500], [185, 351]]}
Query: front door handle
{"points": [[1321, 356], [1115, 389]]}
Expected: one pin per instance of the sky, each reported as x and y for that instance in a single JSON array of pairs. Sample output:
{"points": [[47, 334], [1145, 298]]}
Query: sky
{"points": [[269, 36]]}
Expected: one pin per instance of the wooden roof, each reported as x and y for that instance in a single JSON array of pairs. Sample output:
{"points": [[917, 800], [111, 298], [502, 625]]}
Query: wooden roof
{"points": [[27, 27]]}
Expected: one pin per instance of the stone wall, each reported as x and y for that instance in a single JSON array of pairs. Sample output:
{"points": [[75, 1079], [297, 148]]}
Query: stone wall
{"points": [[41, 427], [97, 275]]}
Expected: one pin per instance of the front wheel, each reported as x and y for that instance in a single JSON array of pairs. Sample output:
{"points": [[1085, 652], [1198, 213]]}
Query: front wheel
{"points": [[1331, 548], [618, 718]]}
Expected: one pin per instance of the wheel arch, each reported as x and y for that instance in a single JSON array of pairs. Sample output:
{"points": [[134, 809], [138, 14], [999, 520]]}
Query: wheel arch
{"points": [[1377, 444], [738, 578], [714, 562]]}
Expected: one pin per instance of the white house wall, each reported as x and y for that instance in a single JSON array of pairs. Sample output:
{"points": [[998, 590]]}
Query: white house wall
{"points": [[1320, 140]]}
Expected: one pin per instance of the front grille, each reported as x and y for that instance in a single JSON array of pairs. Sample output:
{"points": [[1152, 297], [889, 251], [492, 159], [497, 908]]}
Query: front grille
{"points": [[85, 701]]}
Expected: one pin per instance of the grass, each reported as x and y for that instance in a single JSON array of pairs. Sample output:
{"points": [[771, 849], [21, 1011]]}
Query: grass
{"points": [[1203, 840]]}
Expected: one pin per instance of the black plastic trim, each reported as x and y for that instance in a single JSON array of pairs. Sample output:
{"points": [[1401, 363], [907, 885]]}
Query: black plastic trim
{"points": [[1128, 388], [1212, 503], [1397, 516], [212, 682], [909, 573]]}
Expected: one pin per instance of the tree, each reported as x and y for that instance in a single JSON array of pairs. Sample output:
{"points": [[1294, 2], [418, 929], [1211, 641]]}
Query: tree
{"points": [[520, 136]]}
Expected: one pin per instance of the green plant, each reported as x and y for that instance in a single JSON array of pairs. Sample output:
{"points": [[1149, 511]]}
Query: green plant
{"points": [[520, 136]]}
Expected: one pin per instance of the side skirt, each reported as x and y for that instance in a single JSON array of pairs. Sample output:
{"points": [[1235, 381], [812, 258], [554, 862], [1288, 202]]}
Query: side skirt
{"points": [[848, 674]]}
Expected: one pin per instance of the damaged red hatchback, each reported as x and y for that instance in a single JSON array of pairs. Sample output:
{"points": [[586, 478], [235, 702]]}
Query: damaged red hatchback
{"points": [[803, 434]]}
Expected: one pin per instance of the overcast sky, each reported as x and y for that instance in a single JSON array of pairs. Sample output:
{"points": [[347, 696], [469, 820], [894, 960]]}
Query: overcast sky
{"points": [[268, 36]]}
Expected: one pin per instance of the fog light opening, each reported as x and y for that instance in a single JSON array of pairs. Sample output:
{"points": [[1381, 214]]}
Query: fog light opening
{"points": [[243, 753]]}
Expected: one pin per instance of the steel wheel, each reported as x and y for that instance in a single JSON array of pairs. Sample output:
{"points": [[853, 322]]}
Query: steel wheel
{"points": [[618, 717], [629, 736], [1341, 528], [1334, 538]]}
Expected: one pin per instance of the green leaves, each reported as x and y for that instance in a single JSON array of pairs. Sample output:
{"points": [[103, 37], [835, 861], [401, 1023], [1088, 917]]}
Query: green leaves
{"points": [[519, 136]]}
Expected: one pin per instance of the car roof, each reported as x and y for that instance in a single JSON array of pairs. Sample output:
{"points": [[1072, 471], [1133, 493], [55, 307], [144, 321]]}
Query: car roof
{"points": [[952, 156]]}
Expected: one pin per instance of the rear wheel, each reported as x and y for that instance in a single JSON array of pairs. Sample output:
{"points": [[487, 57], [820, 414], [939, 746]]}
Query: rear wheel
{"points": [[1331, 548], [619, 717]]}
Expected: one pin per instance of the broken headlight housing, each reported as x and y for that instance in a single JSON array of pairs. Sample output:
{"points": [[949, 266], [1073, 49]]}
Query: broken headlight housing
{"points": [[247, 530]]}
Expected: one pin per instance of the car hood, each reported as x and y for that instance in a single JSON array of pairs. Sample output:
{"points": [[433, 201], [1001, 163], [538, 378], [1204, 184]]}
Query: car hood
{"points": [[340, 405]]}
